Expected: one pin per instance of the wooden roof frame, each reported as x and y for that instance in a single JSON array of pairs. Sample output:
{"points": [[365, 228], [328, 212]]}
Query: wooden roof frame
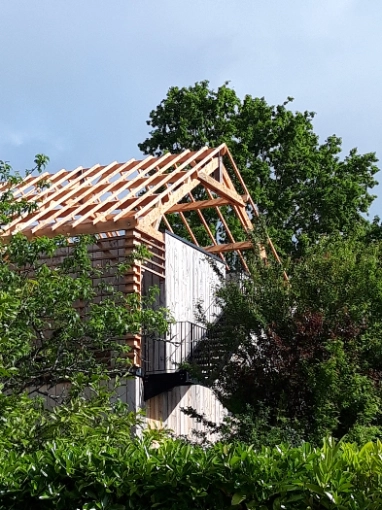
{"points": [[108, 200]]}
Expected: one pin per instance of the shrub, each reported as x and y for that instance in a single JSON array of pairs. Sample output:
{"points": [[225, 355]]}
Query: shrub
{"points": [[163, 473]]}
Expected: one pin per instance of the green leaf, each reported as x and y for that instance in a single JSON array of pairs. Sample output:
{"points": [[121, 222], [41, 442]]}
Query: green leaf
{"points": [[237, 499]]}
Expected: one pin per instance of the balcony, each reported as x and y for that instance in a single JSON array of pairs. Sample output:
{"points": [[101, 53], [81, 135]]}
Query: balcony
{"points": [[189, 354]]}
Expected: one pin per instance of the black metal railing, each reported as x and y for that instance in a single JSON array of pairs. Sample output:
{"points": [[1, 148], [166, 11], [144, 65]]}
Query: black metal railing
{"points": [[189, 346], [167, 354]]}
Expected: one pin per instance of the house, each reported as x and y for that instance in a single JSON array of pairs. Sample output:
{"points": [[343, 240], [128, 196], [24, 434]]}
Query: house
{"points": [[148, 202]]}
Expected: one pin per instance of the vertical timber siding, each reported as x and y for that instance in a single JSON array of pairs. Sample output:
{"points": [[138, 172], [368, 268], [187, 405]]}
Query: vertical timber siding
{"points": [[190, 279], [165, 410]]}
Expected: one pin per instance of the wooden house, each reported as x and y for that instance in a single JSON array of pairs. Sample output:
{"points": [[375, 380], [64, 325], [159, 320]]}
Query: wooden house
{"points": [[133, 203]]}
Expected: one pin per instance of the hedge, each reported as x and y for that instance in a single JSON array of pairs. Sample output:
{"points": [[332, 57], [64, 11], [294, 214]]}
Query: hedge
{"points": [[171, 474]]}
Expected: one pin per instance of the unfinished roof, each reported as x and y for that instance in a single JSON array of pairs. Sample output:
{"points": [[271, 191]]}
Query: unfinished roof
{"points": [[142, 195]]}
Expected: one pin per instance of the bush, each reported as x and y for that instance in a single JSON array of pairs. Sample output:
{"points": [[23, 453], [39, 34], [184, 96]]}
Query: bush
{"points": [[305, 357], [163, 473]]}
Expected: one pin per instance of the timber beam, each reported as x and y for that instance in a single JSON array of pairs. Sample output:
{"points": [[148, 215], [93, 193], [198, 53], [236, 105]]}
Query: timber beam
{"points": [[220, 248], [83, 228], [201, 204], [108, 201], [220, 189]]}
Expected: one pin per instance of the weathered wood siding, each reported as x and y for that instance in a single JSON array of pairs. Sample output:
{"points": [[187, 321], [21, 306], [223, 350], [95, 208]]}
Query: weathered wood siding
{"points": [[129, 391], [190, 279], [165, 410]]}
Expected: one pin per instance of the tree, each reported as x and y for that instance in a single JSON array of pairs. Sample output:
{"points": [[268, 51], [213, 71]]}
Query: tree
{"points": [[305, 356], [59, 324], [46, 338], [303, 189]]}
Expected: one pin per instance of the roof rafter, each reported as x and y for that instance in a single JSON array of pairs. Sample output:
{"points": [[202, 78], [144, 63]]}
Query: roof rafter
{"points": [[206, 227], [228, 231], [140, 195]]}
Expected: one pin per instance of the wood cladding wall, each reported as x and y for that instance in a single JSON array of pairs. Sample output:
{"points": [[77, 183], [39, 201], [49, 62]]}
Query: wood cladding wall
{"points": [[165, 410], [191, 278]]}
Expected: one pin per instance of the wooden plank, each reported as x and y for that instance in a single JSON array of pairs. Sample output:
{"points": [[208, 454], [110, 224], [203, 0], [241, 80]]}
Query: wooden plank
{"points": [[53, 214], [56, 180], [150, 231], [54, 199], [220, 248], [207, 229], [240, 178], [157, 212], [189, 278], [31, 197], [220, 189], [94, 192], [123, 184], [229, 233], [164, 410], [28, 182], [242, 214], [104, 186], [199, 204], [82, 228], [168, 226], [145, 268], [72, 194], [254, 209], [157, 178], [127, 208], [168, 194], [173, 197], [188, 228]]}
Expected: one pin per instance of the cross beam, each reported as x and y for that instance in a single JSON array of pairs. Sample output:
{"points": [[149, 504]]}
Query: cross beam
{"points": [[220, 248]]}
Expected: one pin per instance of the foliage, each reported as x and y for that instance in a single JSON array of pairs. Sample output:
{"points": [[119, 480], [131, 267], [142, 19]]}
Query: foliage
{"points": [[298, 360], [47, 337], [8, 179], [64, 321], [59, 321], [26, 424], [163, 473], [304, 356], [302, 187]]}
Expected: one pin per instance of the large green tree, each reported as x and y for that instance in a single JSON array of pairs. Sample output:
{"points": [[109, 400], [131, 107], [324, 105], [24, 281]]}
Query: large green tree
{"points": [[60, 325], [302, 187]]}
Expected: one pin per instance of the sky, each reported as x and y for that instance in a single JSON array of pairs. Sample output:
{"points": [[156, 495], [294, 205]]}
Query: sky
{"points": [[78, 79]]}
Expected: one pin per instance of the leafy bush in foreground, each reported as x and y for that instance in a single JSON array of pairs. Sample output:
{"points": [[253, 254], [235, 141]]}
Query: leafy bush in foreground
{"points": [[163, 473]]}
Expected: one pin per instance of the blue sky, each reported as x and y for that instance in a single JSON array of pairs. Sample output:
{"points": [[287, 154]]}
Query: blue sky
{"points": [[79, 78]]}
